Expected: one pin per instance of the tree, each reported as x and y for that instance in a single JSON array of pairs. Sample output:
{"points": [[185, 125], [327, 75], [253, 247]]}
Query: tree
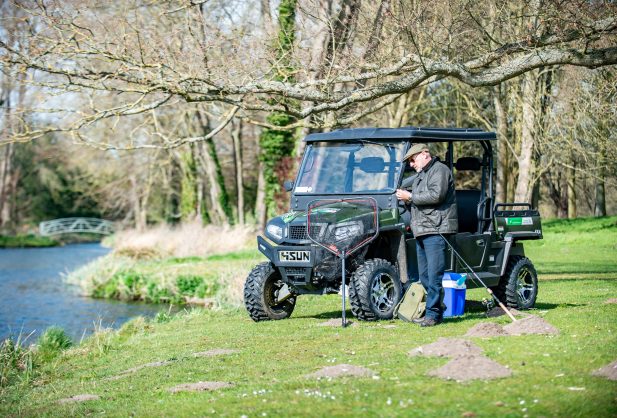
{"points": [[149, 55]]}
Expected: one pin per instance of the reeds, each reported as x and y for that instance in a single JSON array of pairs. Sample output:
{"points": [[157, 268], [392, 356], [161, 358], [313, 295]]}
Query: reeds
{"points": [[186, 240]]}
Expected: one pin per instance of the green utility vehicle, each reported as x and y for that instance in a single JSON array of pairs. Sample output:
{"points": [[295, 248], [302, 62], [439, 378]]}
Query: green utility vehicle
{"points": [[366, 163]]}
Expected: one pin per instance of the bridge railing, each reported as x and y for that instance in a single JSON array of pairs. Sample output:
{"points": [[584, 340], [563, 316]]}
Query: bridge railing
{"points": [[76, 225]]}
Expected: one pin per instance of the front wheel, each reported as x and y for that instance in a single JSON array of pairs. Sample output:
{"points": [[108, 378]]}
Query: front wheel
{"points": [[266, 297], [375, 290], [520, 283]]}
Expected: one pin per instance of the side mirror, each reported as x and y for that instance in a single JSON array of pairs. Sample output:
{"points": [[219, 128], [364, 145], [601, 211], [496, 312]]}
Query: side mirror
{"points": [[288, 185]]}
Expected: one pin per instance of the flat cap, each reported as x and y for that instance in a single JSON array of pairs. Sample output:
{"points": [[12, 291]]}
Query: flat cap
{"points": [[415, 149]]}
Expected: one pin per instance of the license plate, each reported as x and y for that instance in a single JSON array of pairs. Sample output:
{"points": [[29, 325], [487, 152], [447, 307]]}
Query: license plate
{"points": [[295, 256]]}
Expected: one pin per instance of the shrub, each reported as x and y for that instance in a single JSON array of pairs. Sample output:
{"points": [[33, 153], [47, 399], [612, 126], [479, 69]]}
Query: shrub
{"points": [[187, 285], [53, 341]]}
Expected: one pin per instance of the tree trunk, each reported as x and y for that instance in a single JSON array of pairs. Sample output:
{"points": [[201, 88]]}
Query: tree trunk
{"points": [[571, 181], [501, 189], [261, 210], [208, 158], [528, 131], [138, 218], [6, 170], [236, 135], [600, 200]]}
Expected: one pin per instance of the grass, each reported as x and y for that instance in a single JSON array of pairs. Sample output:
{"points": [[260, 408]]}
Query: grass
{"points": [[551, 375], [28, 240], [583, 247], [577, 265], [217, 277]]}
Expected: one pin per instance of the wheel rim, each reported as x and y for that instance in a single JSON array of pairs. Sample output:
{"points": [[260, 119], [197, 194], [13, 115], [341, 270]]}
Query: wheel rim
{"points": [[525, 286], [271, 294], [383, 292]]}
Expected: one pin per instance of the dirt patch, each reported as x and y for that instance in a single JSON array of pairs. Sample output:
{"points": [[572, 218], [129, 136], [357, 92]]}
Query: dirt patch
{"points": [[530, 325], [486, 329], [497, 311], [342, 370], [80, 398], [448, 347], [336, 322], [200, 386], [609, 371], [611, 300], [215, 352], [137, 368], [470, 368], [390, 326]]}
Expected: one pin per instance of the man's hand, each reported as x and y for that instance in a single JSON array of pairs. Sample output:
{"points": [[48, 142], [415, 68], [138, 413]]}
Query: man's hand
{"points": [[403, 195]]}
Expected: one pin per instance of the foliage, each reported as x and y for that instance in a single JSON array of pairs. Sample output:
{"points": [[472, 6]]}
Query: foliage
{"points": [[30, 240], [52, 342], [16, 362], [49, 187]]}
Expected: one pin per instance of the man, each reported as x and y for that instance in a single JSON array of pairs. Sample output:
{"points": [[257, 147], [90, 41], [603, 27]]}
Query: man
{"points": [[433, 211]]}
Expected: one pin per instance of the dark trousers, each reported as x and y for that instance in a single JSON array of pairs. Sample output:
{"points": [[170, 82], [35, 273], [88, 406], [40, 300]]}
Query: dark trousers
{"points": [[431, 251]]}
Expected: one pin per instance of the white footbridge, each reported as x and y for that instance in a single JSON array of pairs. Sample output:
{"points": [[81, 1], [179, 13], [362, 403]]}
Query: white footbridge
{"points": [[76, 225]]}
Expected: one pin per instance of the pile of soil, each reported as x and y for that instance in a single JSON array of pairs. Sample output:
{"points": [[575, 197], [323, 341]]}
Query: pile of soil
{"points": [[80, 398], [530, 325], [336, 322], [200, 386], [341, 370], [448, 347], [215, 352], [497, 311], [609, 371], [471, 367], [467, 362], [486, 329]]}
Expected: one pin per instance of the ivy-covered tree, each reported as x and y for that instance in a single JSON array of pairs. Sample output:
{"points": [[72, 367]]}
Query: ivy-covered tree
{"points": [[276, 145]]}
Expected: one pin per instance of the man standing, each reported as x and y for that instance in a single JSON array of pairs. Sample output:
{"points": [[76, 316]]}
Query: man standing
{"points": [[433, 211]]}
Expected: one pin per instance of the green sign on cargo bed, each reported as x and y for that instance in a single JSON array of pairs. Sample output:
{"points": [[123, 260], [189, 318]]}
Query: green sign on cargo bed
{"points": [[519, 221]]}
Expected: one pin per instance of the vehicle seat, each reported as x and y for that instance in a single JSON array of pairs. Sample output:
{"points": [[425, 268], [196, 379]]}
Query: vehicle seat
{"points": [[467, 208]]}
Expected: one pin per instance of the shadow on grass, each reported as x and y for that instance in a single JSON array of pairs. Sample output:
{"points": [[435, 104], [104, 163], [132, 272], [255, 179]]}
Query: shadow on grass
{"points": [[329, 315]]}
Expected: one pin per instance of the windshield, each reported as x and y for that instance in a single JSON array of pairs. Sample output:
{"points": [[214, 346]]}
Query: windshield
{"points": [[344, 167]]}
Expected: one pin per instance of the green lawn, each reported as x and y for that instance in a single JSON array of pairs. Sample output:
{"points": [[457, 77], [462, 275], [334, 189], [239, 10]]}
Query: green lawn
{"points": [[551, 374]]}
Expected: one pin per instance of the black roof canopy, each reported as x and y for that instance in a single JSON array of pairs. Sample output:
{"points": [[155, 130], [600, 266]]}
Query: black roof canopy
{"points": [[405, 133]]}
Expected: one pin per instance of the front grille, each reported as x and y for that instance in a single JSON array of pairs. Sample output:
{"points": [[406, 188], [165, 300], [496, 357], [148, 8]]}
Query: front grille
{"points": [[298, 232]]}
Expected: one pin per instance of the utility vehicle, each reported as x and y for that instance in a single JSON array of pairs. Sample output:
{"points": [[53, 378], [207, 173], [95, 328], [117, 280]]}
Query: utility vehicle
{"points": [[367, 163]]}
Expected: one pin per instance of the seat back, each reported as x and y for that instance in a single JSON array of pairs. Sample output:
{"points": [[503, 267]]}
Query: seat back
{"points": [[467, 208]]}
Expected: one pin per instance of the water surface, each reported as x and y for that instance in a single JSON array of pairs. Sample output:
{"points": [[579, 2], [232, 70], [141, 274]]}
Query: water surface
{"points": [[33, 295]]}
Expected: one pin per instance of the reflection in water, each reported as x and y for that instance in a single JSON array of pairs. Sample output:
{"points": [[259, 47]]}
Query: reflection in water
{"points": [[33, 295]]}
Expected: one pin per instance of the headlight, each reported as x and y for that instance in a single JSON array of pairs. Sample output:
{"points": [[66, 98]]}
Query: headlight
{"points": [[275, 231], [348, 230]]}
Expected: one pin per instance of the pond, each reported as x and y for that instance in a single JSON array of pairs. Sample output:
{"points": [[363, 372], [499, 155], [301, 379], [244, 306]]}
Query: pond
{"points": [[34, 296]]}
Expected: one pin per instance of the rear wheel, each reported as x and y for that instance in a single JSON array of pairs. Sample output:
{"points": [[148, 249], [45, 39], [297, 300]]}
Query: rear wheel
{"points": [[375, 290], [519, 286], [266, 297]]}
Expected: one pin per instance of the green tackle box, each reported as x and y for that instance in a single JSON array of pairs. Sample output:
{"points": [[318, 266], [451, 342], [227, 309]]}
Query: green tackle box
{"points": [[507, 219]]}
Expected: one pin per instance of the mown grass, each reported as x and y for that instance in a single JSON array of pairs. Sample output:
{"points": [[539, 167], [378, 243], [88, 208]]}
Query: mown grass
{"points": [[584, 247], [551, 374]]}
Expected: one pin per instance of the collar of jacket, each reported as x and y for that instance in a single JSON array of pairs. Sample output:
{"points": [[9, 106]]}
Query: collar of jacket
{"points": [[430, 164]]}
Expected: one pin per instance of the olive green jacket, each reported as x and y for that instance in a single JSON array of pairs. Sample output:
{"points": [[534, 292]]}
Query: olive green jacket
{"points": [[433, 201]]}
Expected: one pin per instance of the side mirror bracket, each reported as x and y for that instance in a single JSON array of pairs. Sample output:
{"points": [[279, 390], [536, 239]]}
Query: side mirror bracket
{"points": [[288, 185]]}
